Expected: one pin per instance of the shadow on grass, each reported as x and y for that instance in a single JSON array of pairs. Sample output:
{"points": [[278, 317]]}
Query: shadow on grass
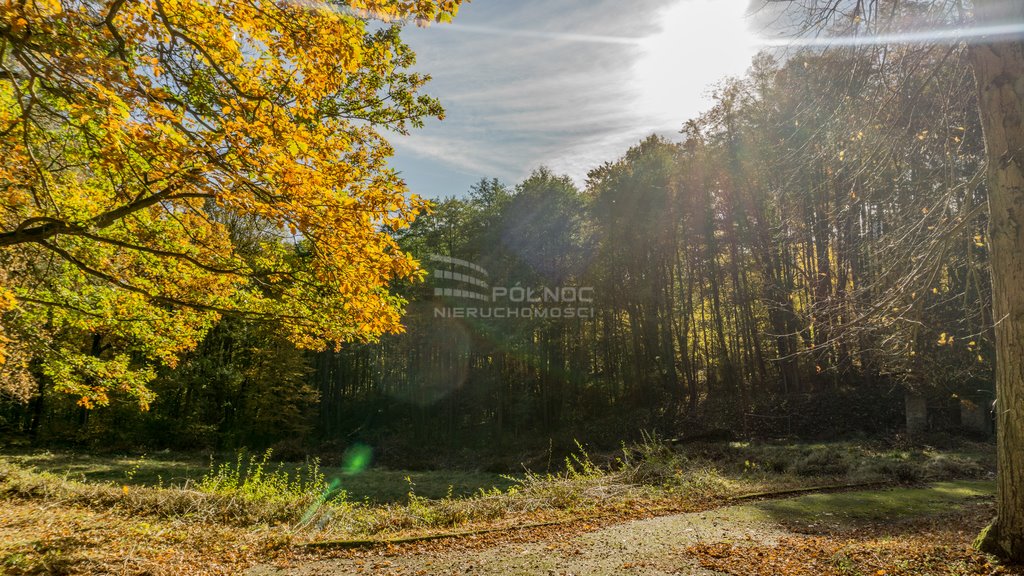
{"points": [[895, 505], [377, 485]]}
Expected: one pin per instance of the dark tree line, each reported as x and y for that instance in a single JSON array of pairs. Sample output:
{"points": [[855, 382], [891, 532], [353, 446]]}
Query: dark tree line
{"points": [[802, 254]]}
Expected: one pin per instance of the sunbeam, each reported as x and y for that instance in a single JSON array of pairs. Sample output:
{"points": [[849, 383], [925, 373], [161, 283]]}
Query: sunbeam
{"points": [[969, 34]]}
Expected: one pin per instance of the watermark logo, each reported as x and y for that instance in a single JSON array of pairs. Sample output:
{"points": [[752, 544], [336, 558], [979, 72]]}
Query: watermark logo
{"points": [[466, 292], [466, 276]]}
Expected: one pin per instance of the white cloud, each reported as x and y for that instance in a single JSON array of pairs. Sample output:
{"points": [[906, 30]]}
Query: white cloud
{"points": [[569, 86]]}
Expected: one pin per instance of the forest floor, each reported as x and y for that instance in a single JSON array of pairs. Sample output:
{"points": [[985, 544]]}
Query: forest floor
{"points": [[727, 508], [900, 531]]}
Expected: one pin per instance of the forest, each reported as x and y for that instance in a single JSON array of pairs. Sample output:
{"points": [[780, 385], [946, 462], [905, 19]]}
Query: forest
{"points": [[783, 338], [809, 251]]}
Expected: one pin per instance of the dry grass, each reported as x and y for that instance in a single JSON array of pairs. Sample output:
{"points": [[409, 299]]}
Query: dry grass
{"points": [[936, 545], [236, 509], [249, 492], [40, 537], [54, 525], [249, 511]]}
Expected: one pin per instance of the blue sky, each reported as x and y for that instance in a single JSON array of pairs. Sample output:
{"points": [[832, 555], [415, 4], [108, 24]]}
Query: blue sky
{"points": [[568, 84]]}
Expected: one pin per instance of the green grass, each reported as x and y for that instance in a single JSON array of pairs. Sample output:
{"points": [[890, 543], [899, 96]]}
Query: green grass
{"points": [[878, 505], [252, 490], [149, 470], [256, 501], [383, 486], [376, 485], [652, 463], [847, 461], [243, 488]]}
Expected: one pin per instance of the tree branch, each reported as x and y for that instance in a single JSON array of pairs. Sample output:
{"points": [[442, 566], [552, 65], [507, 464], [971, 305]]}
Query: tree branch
{"points": [[21, 234]]}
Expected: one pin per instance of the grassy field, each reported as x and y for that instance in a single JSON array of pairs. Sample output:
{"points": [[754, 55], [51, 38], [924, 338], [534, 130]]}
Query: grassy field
{"points": [[62, 512], [377, 485], [855, 462]]}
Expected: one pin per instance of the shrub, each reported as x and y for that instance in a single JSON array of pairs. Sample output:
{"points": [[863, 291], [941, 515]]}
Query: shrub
{"points": [[651, 462], [822, 462], [252, 478]]}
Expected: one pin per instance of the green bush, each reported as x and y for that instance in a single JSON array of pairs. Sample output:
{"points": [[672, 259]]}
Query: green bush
{"points": [[254, 479]]}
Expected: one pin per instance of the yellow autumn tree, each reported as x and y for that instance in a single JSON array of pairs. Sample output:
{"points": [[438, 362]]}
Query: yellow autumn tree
{"points": [[166, 162]]}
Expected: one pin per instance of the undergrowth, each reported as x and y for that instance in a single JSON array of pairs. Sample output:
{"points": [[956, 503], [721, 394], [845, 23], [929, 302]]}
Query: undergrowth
{"points": [[255, 479], [250, 490]]}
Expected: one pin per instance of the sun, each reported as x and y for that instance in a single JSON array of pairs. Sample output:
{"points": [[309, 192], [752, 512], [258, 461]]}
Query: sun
{"points": [[698, 43]]}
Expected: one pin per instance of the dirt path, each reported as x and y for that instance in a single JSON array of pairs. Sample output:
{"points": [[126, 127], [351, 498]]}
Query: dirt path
{"points": [[656, 546]]}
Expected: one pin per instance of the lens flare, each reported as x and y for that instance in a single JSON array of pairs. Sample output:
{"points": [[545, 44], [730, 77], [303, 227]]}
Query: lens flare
{"points": [[968, 34], [356, 459]]}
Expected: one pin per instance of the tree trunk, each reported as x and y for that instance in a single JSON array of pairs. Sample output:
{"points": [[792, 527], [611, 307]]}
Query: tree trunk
{"points": [[999, 72]]}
